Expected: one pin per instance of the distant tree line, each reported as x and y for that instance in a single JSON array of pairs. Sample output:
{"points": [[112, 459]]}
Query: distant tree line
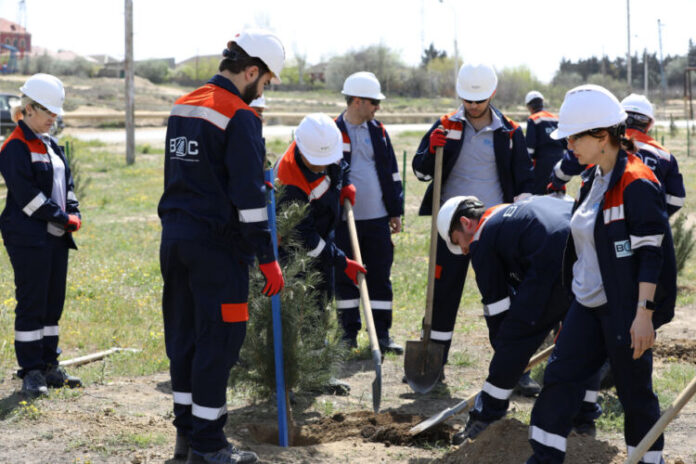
{"points": [[433, 77]]}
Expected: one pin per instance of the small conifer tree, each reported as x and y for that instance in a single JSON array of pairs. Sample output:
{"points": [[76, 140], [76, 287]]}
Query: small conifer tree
{"points": [[312, 348]]}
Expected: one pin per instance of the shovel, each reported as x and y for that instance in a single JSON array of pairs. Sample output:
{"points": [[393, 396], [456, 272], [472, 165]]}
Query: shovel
{"points": [[469, 402], [367, 309], [423, 359], [660, 426]]}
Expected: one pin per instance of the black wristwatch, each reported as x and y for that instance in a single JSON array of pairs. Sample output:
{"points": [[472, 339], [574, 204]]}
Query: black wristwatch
{"points": [[647, 304]]}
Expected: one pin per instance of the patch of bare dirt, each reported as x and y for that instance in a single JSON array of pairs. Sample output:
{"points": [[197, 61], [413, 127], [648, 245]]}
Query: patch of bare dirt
{"points": [[676, 350], [389, 428], [505, 441]]}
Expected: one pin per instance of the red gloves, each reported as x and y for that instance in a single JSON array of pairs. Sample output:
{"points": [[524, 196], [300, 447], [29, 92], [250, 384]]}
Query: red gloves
{"points": [[347, 192], [352, 269], [438, 138], [274, 278], [73, 224]]}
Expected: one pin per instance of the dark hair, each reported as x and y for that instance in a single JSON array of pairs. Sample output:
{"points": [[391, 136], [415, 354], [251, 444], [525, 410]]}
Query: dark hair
{"points": [[471, 208], [349, 100], [537, 104], [638, 121], [617, 136], [236, 60]]}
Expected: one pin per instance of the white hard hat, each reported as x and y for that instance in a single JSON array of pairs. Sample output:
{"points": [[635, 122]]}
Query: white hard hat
{"points": [[588, 107], [264, 45], [46, 90], [444, 220], [319, 139], [362, 84], [476, 82], [258, 102], [638, 104], [532, 95]]}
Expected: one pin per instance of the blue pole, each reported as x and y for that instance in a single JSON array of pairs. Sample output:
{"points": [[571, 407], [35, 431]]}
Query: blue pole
{"points": [[277, 329]]}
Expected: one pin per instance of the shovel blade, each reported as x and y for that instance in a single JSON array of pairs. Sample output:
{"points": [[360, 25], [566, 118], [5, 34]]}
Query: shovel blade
{"points": [[423, 364], [377, 383]]}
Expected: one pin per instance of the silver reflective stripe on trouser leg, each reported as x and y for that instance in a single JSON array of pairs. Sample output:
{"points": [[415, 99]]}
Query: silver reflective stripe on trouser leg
{"points": [[441, 336], [183, 398], [650, 457], [591, 396], [207, 413], [497, 392], [383, 305], [548, 439], [347, 304], [28, 335]]}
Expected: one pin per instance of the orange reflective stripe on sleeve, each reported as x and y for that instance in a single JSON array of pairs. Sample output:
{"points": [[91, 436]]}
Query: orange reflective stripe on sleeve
{"points": [[234, 312], [438, 271]]}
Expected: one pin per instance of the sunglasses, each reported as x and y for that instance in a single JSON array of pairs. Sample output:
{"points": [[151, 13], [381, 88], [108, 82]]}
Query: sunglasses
{"points": [[478, 102], [574, 137], [372, 101], [44, 109]]}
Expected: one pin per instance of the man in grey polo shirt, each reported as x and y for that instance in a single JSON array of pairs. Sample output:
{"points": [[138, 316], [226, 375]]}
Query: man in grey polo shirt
{"points": [[485, 156], [378, 208]]}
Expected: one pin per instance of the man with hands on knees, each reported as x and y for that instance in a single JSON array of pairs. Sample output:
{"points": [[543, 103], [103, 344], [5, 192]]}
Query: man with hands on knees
{"points": [[214, 226]]}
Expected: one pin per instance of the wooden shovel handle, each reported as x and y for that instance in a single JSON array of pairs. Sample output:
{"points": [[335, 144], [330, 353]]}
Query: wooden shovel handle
{"points": [[432, 261], [362, 285]]}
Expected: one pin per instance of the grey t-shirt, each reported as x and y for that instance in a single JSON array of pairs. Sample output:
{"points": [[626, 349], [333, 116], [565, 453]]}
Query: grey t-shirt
{"points": [[475, 171], [587, 286], [363, 174], [59, 188]]}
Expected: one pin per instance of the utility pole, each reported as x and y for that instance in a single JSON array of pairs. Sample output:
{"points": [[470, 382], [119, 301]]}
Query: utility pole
{"points": [[130, 86], [663, 81], [645, 71], [628, 51]]}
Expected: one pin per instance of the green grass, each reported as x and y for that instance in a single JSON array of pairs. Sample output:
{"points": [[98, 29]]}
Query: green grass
{"points": [[114, 282]]}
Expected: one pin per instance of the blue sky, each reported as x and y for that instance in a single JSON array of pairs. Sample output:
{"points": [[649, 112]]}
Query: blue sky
{"points": [[505, 33]]}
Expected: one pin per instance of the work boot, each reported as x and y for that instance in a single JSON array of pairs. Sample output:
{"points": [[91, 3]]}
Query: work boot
{"points": [[473, 429], [56, 377], [181, 447], [227, 455], [388, 345], [34, 384], [336, 387], [587, 428], [527, 386]]}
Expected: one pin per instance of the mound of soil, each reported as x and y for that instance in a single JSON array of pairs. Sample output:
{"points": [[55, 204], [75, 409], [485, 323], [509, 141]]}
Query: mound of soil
{"points": [[506, 442], [388, 427], [682, 350]]}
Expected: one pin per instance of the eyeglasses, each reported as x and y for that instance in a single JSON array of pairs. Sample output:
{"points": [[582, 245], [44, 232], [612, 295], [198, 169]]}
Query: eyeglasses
{"points": [[574, 137], [471, 102], [44, 109], [372, 101]]}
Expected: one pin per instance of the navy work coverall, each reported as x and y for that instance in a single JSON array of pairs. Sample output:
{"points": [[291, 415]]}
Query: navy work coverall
{"points": [[214, 221], [321, 191], [544, 151], [32, 226], [653, 155], [633, 243], [516, 254], [515, 176], [374, 238]]}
